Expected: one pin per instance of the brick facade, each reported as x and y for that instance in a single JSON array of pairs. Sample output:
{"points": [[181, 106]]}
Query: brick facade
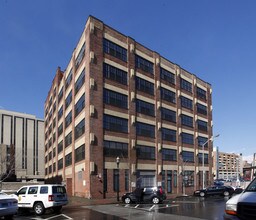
{"points": [[93, 176]]}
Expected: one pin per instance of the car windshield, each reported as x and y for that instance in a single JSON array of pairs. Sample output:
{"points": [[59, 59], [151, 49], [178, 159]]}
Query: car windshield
{"points": [[252, 186]]}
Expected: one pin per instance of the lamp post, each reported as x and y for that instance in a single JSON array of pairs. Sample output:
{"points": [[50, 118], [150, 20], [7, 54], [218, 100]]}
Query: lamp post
{"points": [[203, 145], [117, 191]]}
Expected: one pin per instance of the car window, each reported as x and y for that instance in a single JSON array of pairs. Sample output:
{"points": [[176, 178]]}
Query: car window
{"points": [[44, 190], [22, 191], [58, 189], [32, 190], [252, 186]]}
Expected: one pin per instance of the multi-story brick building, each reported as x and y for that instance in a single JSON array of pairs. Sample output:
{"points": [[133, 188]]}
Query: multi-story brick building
{"points": [[118, 99]]}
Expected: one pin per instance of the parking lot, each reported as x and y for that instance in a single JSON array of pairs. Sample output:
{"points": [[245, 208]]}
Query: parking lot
{"points": [[187, 208]]}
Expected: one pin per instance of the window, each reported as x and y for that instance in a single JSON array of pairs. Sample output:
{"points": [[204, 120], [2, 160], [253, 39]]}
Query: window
{"points": [[169, 154], [60, 164], [79, 129], [115, 99], [187, 120], [201, 93], [50, 169], [80, 81], [54, 167], [187, 138], [168, 134], [68, 119], [202, 125], [168, 115], [60, 147], [143, 64], [79, 106], [144, 86], [80, 56], [116, 124], [202, 109], [80, 153], [168, 95], [146, 153], [68, 99], [145, 130], [167, 76], [44, 190], [187, 156], [69, 79], [113, 73], [114, 50], [202, 140], [32, 190], [68, 159], [186, 103], [68, 139], [169, 181], [114, 149], [60, 129], [186, 85], [145, 108], [189, 180], [200, 158], [60, 95], [60, 113]]}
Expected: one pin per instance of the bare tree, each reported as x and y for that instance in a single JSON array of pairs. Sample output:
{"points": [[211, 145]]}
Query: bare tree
{"points": [[7, 162]]}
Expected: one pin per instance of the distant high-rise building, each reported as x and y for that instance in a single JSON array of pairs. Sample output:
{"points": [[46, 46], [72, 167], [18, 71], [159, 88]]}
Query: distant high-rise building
{"points": [[121, 115], [22, 134]]}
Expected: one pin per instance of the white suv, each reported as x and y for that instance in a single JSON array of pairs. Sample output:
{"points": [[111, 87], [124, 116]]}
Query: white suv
{"points": [[41, 197]]}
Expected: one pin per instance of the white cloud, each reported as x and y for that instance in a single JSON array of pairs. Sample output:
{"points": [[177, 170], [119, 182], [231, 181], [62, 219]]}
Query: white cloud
{"points": [[248, 158]]}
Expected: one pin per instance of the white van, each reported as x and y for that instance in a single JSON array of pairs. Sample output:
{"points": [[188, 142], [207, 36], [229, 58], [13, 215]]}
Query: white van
{"points": [[243, 204], [42, 197]]}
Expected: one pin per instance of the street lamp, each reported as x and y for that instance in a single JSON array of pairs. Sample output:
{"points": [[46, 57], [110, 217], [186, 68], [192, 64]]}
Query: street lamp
{"points": [[117, 191], [203, 145]]}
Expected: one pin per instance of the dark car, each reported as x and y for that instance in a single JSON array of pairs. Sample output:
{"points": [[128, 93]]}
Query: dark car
{"points": [[147, 195], [215, 190]]}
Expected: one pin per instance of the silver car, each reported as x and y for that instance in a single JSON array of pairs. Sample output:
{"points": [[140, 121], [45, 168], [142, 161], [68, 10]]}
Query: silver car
{"points": [[8, 206]]}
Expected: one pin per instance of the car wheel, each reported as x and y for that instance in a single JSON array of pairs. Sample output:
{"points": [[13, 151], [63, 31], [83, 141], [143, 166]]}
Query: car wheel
{"points": [[226, 193], [155, 200], [127, 200], [39, 208], [57, 209], [202, 194]]}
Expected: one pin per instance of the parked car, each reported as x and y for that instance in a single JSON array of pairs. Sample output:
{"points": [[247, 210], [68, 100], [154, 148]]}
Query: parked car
{"points": [[243, 204], [215, 190], [148, 194], [8, 206], [42, 197]]}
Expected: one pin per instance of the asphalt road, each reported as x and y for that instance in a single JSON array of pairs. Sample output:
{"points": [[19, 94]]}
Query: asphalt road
{"points": [[188, 208]]}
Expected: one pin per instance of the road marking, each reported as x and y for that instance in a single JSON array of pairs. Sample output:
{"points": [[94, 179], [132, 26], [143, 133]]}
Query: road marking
{"points": [[152, 207], [137, 206]]}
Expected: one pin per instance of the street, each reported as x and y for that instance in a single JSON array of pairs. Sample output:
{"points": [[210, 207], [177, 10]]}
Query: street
{"points": [[190, 208]]}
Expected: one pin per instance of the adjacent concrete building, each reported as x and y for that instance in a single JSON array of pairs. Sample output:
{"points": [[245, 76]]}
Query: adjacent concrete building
{"points": [[121, 115], [227, 166], [22, 134]]}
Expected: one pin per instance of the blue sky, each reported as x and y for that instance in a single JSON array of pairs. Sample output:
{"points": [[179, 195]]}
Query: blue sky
{"points": [[215, 40]]}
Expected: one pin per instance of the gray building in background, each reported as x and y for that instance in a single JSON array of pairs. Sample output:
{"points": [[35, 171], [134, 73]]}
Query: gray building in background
{"points": [[25, 134]]}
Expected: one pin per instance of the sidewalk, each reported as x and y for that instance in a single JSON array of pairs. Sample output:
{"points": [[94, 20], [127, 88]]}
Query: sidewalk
{"points": [[81, 201]]}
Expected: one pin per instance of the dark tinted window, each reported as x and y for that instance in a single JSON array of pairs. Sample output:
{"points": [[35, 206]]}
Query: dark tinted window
{"points": [[58, 189]]}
